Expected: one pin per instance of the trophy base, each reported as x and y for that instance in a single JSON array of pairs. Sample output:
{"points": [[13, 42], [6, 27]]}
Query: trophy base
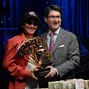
{"points": [[41, 73]]}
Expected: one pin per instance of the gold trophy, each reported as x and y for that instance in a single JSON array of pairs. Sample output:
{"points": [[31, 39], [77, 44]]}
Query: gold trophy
{"points": [[38, 54]]}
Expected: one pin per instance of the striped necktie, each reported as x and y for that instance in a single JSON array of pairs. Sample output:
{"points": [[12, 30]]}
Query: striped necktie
{"points": [[51, 41]]}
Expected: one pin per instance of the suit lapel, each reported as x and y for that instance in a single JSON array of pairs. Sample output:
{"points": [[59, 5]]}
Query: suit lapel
{"points": [[58, 40]]}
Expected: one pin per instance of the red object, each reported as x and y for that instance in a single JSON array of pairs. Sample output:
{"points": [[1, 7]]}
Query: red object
{"points": [[51, 41]]}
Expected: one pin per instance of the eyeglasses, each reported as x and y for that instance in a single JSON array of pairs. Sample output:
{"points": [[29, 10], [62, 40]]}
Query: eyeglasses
{"points": [[53, 17]]}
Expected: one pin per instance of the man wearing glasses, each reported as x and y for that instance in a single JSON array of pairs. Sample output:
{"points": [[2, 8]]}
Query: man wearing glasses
{"points": [[64, 47]]}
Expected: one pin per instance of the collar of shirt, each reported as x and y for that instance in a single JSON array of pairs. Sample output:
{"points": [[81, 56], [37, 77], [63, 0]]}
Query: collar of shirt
{"points": [[57, 31]]}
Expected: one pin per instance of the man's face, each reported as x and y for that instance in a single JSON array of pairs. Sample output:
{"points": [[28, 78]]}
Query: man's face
{"points": [[53, 20]]}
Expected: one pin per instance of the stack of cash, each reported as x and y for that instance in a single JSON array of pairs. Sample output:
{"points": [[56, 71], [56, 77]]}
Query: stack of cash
{"points": [[61, 85], [86, 84], [69, 84], [54, 85], [79, 84]]}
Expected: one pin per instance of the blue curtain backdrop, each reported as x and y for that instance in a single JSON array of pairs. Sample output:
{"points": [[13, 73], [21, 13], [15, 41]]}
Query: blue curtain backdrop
{"points": [[75, 14]]}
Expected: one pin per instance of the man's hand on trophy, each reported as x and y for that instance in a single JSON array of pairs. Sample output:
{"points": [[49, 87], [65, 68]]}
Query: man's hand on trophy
{"points": [[52, 73]]}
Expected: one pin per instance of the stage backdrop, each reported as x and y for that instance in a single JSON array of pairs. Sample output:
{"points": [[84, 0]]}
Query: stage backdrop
{"points": [[75, 15]]}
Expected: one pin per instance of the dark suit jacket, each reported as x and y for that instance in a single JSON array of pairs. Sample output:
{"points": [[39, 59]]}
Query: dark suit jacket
{"points": [[65, 55]]}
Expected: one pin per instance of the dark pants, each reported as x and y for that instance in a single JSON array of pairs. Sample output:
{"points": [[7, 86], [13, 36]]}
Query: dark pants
{"points": [[43, 82]]}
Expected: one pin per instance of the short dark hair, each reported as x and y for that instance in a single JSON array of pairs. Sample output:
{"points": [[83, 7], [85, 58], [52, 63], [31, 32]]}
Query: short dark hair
{"points": [[50, 8]]}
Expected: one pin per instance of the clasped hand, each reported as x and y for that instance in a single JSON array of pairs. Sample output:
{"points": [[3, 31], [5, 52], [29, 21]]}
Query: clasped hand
{"points": [[52, 72]]}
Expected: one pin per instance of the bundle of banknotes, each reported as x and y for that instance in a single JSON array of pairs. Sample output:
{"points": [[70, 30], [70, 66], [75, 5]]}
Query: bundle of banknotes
{"points": [[69, 84]]}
